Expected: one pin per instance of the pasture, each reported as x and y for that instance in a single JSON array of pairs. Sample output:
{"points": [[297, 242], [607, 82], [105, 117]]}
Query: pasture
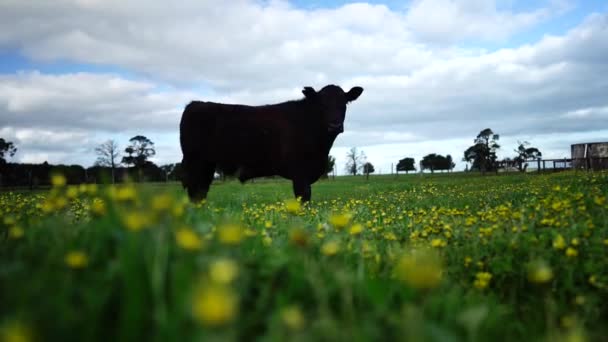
{"points": [[436, 258]]}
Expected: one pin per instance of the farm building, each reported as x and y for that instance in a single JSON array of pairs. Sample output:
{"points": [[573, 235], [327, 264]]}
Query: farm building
{"points": [[590, 156]]}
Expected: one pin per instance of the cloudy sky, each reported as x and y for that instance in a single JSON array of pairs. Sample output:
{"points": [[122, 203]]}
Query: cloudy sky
{"points": [[74, 73]]}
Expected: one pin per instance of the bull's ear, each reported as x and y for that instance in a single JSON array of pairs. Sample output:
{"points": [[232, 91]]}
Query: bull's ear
{"points": [[353, 94], [309, 92]]}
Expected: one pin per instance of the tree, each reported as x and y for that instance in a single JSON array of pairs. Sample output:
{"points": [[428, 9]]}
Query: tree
{"points": [[107, 155], [367, 169], [448, 163], [524, 154], [428, 162], [435, 161], [129, 159], [406, 164], [138, 152], [354, 161], [482, 154], [7, 148]]}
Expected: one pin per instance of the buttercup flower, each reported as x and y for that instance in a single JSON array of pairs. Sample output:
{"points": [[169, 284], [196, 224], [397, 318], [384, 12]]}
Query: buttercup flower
{"points": [[420, 268], [76, 259], [214, 305]]}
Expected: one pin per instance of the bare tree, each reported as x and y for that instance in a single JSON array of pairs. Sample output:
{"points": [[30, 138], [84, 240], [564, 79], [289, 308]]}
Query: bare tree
{"points": [[354, 161], [107, 155], [168, 169]]}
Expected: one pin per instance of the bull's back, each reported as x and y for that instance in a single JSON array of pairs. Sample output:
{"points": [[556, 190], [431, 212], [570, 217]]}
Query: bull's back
{"points": [[229, 133]]}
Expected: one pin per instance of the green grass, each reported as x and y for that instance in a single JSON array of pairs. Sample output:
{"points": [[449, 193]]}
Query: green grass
{"points": [[149, 265]]}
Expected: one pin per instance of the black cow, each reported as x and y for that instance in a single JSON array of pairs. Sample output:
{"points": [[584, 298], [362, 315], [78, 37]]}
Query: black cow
{"points": [[290, 139]]}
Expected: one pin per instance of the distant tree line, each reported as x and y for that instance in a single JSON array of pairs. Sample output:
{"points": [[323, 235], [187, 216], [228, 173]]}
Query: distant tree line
{"points": [[34, 175], [108, 168], [133, 164], [481, 156]]}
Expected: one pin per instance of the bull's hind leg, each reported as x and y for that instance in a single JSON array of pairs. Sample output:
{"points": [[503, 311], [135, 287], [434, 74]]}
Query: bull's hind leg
{"points": [[302, 189], [199, 178]]}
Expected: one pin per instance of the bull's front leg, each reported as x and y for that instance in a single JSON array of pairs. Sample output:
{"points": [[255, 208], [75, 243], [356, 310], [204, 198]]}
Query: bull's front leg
{"points": [[302, 189]]}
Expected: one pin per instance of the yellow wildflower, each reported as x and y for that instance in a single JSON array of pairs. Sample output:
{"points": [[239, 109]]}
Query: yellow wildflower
{"points": [[72, 192], [230, 234], [539, 272], [214, 305], [76, 259], [438, 243], [292, 317], [390, 236], [126, 193], [187, 239], [340, 221], [420, 268], [330, 248], [15, 232], [482, 280], [293, 206], [268, 224], [559, 242], [9, 220], [178, 210], [60, 203], [571, 252], [223, 271], [47, 206], [58, 180], [356, 229], [15, 332], [135, 221], [98, 207], [162, 202]]}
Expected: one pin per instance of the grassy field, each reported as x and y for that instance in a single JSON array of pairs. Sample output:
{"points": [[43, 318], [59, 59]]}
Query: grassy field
{"points": [[433, 258]]}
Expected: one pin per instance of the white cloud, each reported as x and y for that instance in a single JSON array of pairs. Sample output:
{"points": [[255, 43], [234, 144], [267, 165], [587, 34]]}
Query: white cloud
{"points": [[102, 102], [444, 21], [250, 44], [599, 112], [420, 96]]}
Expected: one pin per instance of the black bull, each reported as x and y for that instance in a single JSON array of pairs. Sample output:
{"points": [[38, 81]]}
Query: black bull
{"points": [[290, 139]]}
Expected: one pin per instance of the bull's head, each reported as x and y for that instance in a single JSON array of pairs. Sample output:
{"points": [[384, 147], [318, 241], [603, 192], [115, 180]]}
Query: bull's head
{"points": [[332, 100]]}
